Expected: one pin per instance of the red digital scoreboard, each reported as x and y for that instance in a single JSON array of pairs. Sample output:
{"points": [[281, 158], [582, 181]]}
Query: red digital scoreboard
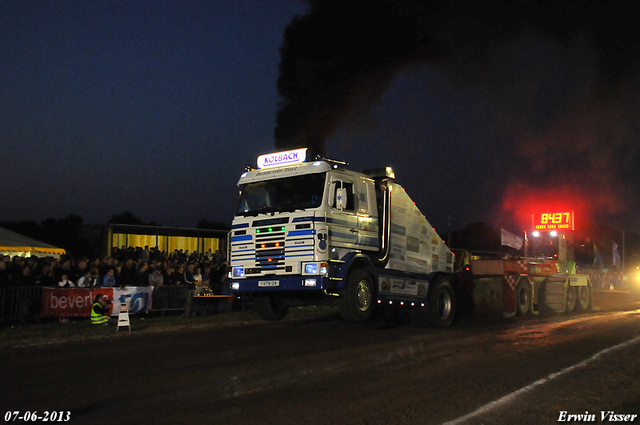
{"points": [[550, 221]]}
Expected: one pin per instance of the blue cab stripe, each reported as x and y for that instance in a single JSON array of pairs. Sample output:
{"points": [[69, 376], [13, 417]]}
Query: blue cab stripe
{"points": [[301, 232], [241, 238]]}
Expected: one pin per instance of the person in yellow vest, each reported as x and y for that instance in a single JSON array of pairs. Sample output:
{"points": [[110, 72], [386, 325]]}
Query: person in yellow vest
{"points": [[100, 310]]}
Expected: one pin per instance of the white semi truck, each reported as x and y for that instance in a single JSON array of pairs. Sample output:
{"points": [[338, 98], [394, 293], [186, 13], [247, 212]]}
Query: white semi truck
{"points": [[306, 230]]}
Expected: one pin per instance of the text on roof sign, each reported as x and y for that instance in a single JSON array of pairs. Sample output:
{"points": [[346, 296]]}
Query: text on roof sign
{"points": [[282, 158]]}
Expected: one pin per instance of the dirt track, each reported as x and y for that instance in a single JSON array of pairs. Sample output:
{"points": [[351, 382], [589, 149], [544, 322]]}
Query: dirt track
{"points": [[325, 371]]}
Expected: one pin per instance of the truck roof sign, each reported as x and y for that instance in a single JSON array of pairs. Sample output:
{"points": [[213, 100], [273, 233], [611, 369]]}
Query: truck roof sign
{"points": [[277, 159]]}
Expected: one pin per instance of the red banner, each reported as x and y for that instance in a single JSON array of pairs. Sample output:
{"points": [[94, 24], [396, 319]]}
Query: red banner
{"points": [[73, 302]]}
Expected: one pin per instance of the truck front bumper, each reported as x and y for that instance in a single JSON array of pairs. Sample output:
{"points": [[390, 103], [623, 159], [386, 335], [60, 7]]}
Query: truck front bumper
{"points": [[281, 283]]}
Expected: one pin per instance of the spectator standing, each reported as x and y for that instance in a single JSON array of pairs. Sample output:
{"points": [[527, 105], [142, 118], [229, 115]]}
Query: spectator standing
{"points": [[156, 278], [5, 276], [64, 268], [65, 282], [189, 278], [94, 264], [15, 269], [142, 276], [105, 265], [177, 277], [190, 283], [168, 275], [219, 258], [180, 256], [84, 280], [89, 279], [145, 254], [33, 262], [95, 276], [26, 277], [128, 274], [214, 279], [206, 273], [156, 255], [79, 270], [118, 275], [224, 278], [44, 274], [109, 279], [197, 276], [193, 257]]}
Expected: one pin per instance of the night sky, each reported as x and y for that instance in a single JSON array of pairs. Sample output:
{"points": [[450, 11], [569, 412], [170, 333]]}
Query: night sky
{"points": [[156, 107]]}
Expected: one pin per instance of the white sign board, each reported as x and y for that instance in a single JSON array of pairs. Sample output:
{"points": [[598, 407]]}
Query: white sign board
{"points": [[282, 158]]}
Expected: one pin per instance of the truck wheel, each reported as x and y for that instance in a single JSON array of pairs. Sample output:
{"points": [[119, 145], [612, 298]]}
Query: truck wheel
{"points": [[356, 301], [442, 304], [584, 298], [571, 299], [269, 307], [523, 297]]}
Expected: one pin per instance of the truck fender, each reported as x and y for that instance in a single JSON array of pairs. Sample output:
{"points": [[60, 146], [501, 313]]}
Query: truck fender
{"points": [[350, 262]]}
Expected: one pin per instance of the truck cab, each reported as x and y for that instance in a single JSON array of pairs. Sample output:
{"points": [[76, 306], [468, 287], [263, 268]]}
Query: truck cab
{"points": [[286, 215], [311, 229]]}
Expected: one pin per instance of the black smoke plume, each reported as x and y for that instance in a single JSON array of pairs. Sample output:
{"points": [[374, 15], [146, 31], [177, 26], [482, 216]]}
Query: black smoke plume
{"points": [[345, 53]]}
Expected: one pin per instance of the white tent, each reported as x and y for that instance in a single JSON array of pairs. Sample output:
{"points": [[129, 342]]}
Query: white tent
{"points": [[12, 243]]}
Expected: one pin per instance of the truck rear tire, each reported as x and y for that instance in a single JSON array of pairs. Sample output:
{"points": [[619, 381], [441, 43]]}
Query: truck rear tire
{"points": [[357, 299], [571, 299], [523, 297], [584, 298], [269, 307], [442, 303]]}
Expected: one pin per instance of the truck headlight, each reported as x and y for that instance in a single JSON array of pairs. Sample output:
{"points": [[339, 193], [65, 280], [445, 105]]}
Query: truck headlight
{"points": [[321, 269], [237, 272]]}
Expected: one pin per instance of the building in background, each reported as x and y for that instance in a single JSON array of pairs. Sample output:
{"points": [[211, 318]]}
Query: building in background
{"points": [[104, 237]]}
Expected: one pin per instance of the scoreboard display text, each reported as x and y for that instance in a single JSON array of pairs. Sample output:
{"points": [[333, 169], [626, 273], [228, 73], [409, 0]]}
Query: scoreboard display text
{"points": [[553, 221]]}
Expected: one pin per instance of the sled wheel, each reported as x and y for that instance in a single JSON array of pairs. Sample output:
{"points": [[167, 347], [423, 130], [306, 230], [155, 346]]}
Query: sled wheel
{"points": [[523, 297], [584, 297], [571, 299]]}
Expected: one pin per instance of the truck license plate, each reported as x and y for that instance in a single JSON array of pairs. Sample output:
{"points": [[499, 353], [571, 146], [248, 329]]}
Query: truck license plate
{"points": [[268, 283]]}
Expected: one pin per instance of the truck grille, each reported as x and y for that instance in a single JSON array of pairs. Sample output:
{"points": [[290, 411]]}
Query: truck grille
{"points": [[270, 248]]}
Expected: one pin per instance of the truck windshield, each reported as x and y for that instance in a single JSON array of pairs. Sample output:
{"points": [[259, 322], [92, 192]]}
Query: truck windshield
{"points": [[288, 194]]}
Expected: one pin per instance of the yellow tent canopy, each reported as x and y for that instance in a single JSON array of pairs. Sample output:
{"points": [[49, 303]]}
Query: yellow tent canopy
{"points": [[12, 243]]}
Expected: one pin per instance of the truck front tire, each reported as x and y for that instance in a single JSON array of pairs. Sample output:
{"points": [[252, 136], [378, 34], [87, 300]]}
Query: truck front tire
{"points": [[269, 307], [357, 299]]}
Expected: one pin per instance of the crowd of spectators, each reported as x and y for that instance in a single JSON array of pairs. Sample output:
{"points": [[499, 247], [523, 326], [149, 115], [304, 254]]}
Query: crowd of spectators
{"points": [[124, 267]]}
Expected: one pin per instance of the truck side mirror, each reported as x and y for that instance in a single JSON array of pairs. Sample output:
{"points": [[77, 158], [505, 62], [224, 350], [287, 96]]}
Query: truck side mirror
{"points": [[341, 198]]}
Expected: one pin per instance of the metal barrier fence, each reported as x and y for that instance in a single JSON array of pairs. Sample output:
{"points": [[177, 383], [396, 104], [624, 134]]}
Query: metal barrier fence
{"points": [[168, 298], [21, 303]]}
